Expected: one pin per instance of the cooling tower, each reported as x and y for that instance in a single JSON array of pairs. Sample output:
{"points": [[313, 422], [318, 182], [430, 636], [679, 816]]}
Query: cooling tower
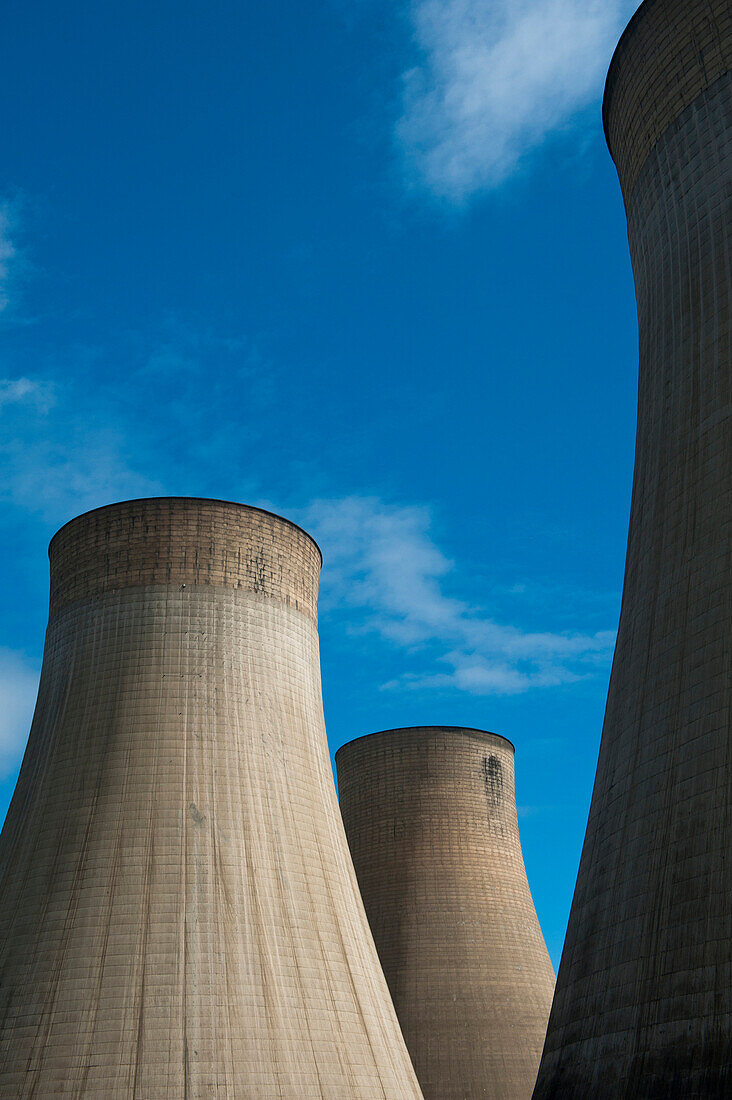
{"points": [[180, 916], [430, 816], [643, 1006]]}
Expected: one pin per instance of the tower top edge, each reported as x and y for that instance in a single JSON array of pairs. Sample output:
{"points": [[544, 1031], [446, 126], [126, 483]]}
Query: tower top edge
{"points": [[184, 542], [670, 52], [182, 501], [467, 731], [616, 60]]}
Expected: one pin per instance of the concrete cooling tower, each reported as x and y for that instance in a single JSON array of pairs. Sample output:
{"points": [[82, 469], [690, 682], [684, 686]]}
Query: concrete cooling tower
{"points": [[643, 1006], [180, 916], [430, 816]]}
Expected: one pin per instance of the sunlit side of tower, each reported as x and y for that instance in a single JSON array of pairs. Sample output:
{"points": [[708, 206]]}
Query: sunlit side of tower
{"points": [[180, 916], [430, 816], [643, 1007]]}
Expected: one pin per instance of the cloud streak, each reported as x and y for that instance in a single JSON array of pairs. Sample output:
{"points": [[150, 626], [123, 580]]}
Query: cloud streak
{"points": [[64, 463], [495, 78], [385, 572], [7, 254], [135, 421], [30, 391]]}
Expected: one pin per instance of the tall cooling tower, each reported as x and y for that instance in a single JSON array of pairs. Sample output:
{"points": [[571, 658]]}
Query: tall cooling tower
{"points": [[430, 816], [643, 1006], [180, 916]]}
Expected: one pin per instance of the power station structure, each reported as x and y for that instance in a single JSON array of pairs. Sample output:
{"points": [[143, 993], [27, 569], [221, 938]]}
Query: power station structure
{"points": [[180, 915], [430, 816], [643, 1006]]}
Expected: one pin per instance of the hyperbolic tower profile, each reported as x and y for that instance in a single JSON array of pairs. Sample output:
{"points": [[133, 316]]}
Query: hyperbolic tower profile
{"points": [[180, 916], [430, 816], [643, 1006]]}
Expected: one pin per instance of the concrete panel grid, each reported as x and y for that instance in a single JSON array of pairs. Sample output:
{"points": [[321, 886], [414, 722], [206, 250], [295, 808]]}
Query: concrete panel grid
{"points": [[643, 1007], [180, 914], [430, 816]]}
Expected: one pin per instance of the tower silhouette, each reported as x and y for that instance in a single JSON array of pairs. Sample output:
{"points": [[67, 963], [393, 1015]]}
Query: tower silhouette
{"points": [[643, 1005], [430, 816], [180, 916]]}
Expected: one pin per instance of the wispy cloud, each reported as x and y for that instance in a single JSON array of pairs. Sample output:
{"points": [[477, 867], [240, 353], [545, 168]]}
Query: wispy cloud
{"points": [[31, 391], [384, 569], [7, 252], [151, 415], [59, 478], [58, 455], [18, 687], [494, 79]]}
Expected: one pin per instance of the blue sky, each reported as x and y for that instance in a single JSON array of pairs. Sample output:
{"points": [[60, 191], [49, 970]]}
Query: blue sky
{"points": [[363, 263]]}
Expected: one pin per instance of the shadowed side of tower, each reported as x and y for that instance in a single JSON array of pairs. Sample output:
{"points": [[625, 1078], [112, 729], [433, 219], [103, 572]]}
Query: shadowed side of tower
{"points": [[430, 816], [180, 915], [643, 1007]]}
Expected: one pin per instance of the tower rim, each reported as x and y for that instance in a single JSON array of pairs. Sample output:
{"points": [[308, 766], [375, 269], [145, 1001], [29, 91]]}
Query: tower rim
{"points": [[186, 499], [612, 70], [467, 730]]}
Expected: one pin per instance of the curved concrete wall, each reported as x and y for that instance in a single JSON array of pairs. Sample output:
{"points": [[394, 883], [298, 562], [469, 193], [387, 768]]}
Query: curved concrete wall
{"points": [[643, 1006], [430, 816], [180, 915]]}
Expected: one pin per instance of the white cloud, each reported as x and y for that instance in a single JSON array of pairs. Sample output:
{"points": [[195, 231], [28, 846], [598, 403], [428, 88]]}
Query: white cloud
{"points": [[60, 478], [133, 420], [384, 570], [7, 252], [18, 688], [495, 78], [14, 391], [66, 463]]}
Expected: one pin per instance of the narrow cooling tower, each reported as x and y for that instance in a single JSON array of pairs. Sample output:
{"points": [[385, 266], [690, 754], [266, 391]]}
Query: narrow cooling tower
{"points": [[643, 1007], [180, 917], [430, 816]]}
